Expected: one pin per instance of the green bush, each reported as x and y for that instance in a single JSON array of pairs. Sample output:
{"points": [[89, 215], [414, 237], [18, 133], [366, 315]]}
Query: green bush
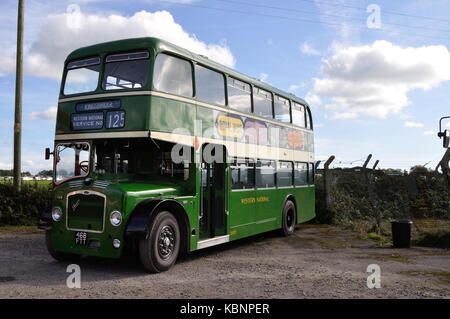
{"points": [[351, 199], [439, 238], [24, 207]]}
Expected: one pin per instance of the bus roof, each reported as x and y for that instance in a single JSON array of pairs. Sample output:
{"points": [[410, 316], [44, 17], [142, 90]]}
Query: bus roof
{"points": [[161, 45]]}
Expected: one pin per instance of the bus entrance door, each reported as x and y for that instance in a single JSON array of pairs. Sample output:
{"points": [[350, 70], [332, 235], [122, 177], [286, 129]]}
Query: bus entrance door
{"points": [[213, 189]]}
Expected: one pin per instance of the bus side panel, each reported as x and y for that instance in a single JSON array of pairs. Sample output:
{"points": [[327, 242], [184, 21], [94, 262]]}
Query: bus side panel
{"points": [[167, 115], [305, 197], [241, 206], [269, 205], [191, 207], [206, 116]]}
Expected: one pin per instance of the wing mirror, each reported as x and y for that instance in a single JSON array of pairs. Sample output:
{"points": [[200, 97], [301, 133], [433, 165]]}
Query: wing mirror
{"points": [[445, 135], [47, 154]]}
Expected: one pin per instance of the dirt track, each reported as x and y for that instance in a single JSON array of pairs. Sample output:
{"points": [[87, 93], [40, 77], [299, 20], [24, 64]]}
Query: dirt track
{"points": [[317, 262]]}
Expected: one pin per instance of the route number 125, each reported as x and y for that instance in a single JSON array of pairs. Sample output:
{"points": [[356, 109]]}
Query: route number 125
{"points": [[115, 119]]}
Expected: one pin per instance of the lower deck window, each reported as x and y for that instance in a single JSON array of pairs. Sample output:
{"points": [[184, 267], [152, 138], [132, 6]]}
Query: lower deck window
{"points": [[113, 157], [284, 174], [265, 174], [168, 168], [300, 174], [242, 174], [140, 157], [311, 173]]}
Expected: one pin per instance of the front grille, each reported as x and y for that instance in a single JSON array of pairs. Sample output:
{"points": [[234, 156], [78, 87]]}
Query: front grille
{"points": [[86, 211]]}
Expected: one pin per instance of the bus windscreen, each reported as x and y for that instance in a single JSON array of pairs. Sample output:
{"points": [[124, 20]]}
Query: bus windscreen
{"points": [[82, 76], [126, 71]]}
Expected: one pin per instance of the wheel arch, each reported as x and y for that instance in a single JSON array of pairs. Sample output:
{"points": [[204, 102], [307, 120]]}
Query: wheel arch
{"points": [[145, 212]]}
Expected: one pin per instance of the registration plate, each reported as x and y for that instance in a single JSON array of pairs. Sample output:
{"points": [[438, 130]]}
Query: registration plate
{"points": [[81, 238]]}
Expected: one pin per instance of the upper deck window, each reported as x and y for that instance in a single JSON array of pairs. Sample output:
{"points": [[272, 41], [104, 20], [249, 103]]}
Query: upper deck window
{"points": [[262, 101], [282, 112], [298, 114], [173, 75], [210, 85], [126, 71], [239, 95], [308, 119], [82, 76]]}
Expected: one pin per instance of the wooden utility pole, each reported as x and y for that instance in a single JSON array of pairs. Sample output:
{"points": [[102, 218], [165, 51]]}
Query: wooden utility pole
{"points": [[327, 181], [18, 108]]}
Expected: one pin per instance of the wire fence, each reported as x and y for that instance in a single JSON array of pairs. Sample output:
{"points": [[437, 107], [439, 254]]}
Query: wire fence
{"points": [[377, 197]]}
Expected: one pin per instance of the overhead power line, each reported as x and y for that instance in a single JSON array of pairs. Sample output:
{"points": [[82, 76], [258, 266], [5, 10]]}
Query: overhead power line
{"points": [[302, 20], [384, 11], [329, 15]]}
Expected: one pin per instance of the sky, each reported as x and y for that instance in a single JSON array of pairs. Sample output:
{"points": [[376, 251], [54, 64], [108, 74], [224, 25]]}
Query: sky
{"points": [[376, 73]]}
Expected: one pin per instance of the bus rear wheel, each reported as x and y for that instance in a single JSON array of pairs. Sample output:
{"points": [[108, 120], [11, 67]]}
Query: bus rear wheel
{"points": [[59, 256], [289, 218], [159, 249]]}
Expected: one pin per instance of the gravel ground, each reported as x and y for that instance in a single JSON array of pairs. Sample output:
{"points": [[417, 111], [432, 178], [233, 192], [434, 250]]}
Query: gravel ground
{"points": [[316, 262]]}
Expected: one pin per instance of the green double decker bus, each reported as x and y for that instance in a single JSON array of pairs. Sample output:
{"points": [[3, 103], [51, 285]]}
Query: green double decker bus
{"points": [[164, 151]]}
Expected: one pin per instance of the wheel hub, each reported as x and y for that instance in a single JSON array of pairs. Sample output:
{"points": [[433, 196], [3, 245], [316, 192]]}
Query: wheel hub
{"points": [[166, 242]]}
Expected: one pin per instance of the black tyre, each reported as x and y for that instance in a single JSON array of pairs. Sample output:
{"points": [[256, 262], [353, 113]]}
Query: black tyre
{"points": [[59, 256], [159, 249], [289, 218]]}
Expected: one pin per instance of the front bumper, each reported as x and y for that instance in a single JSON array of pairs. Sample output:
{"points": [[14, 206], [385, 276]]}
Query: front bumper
{"points": [[98, 244]]}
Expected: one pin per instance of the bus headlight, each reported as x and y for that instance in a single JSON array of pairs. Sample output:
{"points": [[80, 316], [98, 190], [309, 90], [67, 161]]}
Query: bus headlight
{"points": [[115, 218], [56, 214]]}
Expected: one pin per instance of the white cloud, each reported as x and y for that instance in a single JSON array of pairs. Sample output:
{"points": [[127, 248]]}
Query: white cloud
{"points": [[48, 114], [412, 124], [313, 99], [428, 132], [8, 61], [62, 33], [375, 79], [448, 124], [308, 49], [295, 87], [319, 125], [5, 166]]}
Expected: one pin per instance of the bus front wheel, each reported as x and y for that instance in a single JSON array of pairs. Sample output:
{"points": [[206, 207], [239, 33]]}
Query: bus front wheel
{"points": [[159, 249], [289, 218]]}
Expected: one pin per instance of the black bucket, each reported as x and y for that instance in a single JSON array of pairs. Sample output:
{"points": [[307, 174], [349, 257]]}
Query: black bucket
{"points": [[401, 233]]}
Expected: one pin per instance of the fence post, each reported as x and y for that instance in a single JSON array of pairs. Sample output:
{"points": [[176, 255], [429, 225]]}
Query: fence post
{"points": [[371, 188], [366, 162], [327, 181], [374, 166]]}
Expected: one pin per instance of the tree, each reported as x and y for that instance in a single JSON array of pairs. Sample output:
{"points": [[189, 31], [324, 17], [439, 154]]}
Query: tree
{"points": [[45, 173], [419, 170], [26, 174], [6, 172]]}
